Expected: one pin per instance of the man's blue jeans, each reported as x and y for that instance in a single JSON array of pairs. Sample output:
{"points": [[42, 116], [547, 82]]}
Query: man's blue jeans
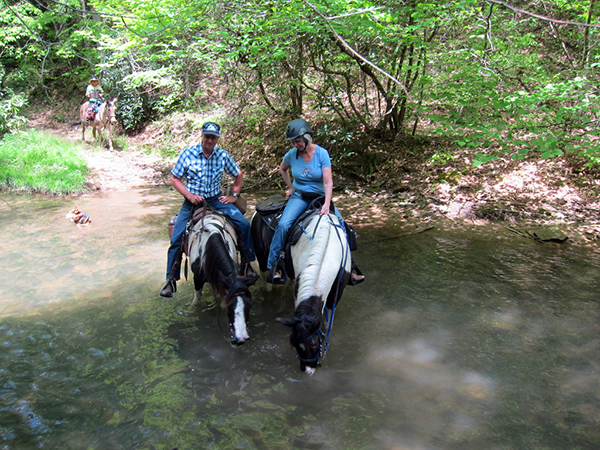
{"points": [[184, 214], [295, 206]]}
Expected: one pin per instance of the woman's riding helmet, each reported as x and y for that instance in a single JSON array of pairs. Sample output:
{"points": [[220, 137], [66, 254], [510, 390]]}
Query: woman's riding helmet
{"points": [[297, 128]]}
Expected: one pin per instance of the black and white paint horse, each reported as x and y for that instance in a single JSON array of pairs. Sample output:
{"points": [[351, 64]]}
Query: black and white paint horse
{"points": [[212, 250], [320, 264]]}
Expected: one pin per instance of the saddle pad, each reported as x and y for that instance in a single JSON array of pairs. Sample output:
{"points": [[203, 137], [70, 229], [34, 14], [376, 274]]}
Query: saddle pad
{"points": [[271, 204], [200, 212]]}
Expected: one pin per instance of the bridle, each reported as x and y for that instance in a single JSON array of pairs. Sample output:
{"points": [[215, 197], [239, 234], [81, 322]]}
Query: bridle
{"points": [[320, 351], [107, 108]]}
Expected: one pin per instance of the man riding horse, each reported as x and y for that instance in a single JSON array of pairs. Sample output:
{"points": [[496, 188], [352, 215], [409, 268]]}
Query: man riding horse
{"points": [[202, 166]]}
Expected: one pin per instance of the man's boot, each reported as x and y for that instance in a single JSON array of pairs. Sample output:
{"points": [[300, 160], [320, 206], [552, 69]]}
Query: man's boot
{"points": [[246, 270], [169, 288]]}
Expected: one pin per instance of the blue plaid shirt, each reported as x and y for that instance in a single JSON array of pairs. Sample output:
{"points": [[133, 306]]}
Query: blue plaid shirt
{"points": [[204, 176]]}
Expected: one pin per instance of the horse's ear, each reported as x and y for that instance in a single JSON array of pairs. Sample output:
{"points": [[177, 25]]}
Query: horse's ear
{"points": [[287, 322], [115, 99], [249, 281]]}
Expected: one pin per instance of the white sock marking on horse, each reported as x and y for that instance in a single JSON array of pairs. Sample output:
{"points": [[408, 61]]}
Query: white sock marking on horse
{"points": [[239, 321]]}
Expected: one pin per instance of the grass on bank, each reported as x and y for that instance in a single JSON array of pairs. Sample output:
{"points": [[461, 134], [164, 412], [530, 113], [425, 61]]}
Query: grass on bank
{"points": [[35, 161]]}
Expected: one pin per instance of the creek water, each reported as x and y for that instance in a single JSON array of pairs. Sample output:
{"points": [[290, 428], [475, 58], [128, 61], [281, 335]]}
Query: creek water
{"points": [[459, 339]]}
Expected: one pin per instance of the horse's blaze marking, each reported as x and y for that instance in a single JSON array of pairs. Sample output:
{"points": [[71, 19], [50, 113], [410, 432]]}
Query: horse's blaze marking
{"points": [[239, 321]]}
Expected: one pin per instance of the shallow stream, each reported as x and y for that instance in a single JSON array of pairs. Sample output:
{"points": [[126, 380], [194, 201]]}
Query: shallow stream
{"points": [[459, 339]]}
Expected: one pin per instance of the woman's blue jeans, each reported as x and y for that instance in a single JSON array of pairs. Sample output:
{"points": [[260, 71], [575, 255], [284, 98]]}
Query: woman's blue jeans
{"points": [[229, 209]]}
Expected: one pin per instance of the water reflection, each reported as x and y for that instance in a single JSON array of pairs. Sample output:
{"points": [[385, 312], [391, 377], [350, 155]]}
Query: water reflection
{"points": [[466, 340]]}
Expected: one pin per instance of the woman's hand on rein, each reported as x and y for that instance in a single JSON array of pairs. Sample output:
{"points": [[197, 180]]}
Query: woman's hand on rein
{"points": [[324, 211]]}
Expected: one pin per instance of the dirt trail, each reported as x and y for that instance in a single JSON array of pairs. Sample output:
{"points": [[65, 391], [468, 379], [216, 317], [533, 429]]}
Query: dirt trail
{"points": [[110, 170]]}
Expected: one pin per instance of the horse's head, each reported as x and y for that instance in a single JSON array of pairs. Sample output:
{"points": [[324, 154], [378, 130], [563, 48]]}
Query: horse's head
{"points": [[239, 302], [111, 109], [307, 337]]}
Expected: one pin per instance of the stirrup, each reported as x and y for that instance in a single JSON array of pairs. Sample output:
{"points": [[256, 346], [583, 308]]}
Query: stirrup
{"points": [[356, 281], [246, 271], [168, 289], [271, 278], [355, 270]]}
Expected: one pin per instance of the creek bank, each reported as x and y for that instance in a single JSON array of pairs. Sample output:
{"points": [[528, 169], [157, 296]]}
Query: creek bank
{"points": [[406, 188]]}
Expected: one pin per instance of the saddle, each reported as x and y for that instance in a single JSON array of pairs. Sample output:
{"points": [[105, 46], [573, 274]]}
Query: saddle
{"points": [[270, 211], [198, 215]]}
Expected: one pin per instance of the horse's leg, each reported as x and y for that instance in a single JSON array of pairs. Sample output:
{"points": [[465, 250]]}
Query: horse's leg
{"points": [[83, 130], [261, 240], [108, 136], [198, 286]]}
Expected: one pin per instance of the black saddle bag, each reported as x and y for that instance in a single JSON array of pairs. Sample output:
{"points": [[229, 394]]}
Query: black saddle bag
{"points": [[271, 205], [351, 235]]}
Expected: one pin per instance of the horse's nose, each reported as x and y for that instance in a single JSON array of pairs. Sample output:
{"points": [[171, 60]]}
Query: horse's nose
{"points": [[240, 341]]}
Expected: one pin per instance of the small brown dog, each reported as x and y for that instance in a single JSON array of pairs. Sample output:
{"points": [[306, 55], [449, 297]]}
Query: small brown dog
{"points": [[78, 217]]}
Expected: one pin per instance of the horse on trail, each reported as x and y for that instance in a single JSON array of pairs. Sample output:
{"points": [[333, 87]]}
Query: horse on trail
{"points": [[320, 262], [104, 119], [212, 250]]}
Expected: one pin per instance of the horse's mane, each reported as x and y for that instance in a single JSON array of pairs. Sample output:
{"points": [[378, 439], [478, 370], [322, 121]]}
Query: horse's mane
{"points": [[306, 319], [218, 265], [319, 232]]}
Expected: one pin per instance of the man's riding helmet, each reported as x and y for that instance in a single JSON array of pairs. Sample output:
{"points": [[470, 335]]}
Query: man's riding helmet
{"points": [[93, 79], [297, 128]]}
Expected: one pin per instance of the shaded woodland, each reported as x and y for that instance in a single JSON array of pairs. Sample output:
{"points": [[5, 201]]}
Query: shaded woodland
{"points": [[450, 85]]}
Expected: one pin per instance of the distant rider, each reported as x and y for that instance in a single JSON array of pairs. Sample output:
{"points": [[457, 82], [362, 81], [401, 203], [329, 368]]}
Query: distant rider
{"points": [[94, 94]]}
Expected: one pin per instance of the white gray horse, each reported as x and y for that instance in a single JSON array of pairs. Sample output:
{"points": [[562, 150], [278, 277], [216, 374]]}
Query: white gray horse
{"points": [[104, 119]]}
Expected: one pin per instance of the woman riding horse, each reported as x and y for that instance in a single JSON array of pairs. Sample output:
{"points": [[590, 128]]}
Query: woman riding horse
{"points": [[311, 169]]}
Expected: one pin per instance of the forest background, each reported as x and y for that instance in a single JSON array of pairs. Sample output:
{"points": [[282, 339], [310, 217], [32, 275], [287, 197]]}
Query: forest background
{"points": [[454, 95]]}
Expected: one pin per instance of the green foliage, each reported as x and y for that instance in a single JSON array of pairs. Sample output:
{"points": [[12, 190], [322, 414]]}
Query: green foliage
{"points": [[338, 140], [10, 106], [34, 161], [495, 81], [440, 158]]}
